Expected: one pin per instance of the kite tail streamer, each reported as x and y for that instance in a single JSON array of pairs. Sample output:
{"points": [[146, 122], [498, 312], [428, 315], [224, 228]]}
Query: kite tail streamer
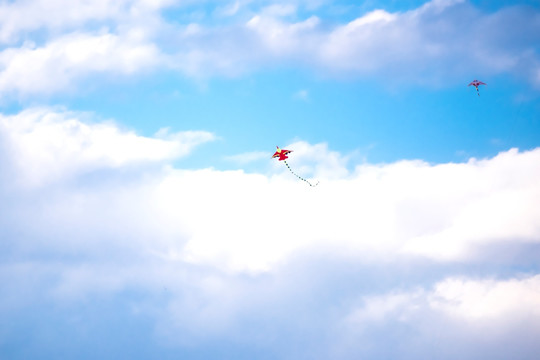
{"points": [[298, 176], [477, 91]]}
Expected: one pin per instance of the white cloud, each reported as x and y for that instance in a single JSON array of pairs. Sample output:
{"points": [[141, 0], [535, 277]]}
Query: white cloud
{"points": [[378, 211], [486, 299], [491, 212], [49, 145], [456, 317], [61, 63], [423, 45], [24, 16], [229, 9], [282, 39], [213, 250], [370, 18], [379, 308], [435, 44], [461, 299], [408, 208], [21, 17]]}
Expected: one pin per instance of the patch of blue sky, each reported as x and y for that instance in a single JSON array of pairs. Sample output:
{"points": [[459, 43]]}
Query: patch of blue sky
{"points": [[338, 12], [227, 12], [30, 39], [260, 110]]}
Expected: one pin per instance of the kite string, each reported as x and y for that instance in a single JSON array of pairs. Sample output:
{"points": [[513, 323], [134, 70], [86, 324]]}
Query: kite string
{"points": [[298, 176]]}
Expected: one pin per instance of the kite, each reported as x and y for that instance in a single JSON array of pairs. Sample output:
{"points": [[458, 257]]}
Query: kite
{"points": [[281, 154], [476, 83]]}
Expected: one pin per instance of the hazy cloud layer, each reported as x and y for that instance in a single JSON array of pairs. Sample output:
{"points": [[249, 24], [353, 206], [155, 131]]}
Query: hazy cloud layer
{"points": [[262, 262]]}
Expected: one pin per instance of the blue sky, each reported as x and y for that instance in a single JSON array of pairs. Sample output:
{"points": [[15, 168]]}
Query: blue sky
{"points": [[142, 215]]}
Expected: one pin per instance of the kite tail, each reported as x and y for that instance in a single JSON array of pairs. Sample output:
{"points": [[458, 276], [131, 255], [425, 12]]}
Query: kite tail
{"points": [[301, 178], [477, 91]]}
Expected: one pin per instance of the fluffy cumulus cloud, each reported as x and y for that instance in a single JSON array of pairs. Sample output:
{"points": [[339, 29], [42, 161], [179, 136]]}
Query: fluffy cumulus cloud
{"points": [[48, 145], [63, 62], [51, 46], [20, 18], [488, 299], [449, 35], [260, 263], [47, 54], [454, 318]]}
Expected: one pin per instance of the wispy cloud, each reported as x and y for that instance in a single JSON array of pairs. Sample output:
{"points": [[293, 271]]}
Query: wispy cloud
{"points": [[301, 95], [411, 46], [246, 158]]}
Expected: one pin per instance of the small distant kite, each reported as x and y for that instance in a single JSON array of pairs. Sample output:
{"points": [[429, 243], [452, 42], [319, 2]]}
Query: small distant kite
{"points": [[476, 83], [281, 154]]}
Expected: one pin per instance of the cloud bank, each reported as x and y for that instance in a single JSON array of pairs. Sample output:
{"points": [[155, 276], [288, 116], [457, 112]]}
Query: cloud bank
{"points": [[433, 45], [441, 259]]}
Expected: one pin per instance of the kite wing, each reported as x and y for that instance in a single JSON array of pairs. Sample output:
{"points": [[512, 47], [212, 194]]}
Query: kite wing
{"points": [[476, 83], [282, 154]]}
